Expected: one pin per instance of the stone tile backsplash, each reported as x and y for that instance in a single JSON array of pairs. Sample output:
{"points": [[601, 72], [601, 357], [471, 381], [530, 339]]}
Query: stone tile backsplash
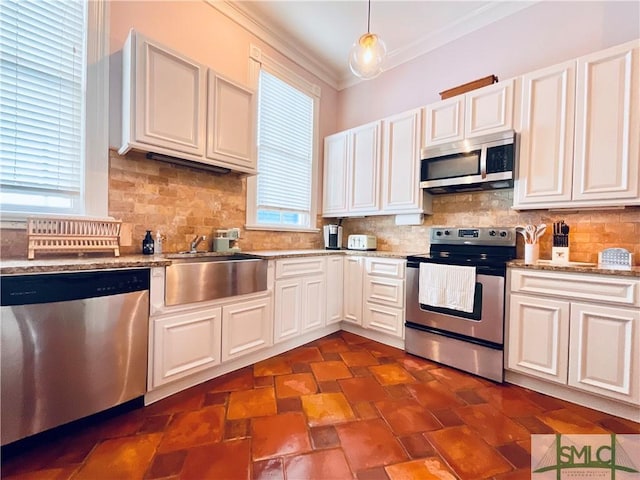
{"points": [[183, 202], [591, 231]]}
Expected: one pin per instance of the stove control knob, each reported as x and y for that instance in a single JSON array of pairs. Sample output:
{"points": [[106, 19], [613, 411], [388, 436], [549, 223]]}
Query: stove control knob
{"points": [[439, 233], [492, 233], [447, 232], [503, 233]]}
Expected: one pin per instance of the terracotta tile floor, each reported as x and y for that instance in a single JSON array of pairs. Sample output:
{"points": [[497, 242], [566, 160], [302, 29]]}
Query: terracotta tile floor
{"points": [[337, 408]]}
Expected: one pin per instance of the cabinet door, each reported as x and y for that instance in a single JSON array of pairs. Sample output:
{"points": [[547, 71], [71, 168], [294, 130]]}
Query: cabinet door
{"points": [[401, 160], [365, 169], [335, 289], [444, 121], [353, 277], [489, 109], [231, 122], [607, 142], [314, 302], [546, 125], [604, 351], [336, 179], [538, 337], [170, 99], [384, 319], [246, 327], [288, 309], [185, 343]]}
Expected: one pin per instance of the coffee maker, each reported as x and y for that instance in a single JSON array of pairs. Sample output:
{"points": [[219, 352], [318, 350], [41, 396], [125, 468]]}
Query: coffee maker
{"points": [[225, 240], [332, 237]]}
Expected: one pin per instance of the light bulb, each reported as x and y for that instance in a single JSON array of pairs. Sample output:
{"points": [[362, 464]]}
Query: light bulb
{"points": [[367, 55]]}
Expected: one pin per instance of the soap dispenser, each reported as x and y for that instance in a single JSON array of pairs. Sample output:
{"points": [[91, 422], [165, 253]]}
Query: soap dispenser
{"points": [[147, 244]]}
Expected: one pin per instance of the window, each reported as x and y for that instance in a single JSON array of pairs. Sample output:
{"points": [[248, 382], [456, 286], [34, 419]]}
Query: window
{"points": [[53, 83], [282, 195]]}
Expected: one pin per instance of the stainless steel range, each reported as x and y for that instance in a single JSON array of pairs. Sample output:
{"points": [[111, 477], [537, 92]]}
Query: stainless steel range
{"points": [[469, 336]]}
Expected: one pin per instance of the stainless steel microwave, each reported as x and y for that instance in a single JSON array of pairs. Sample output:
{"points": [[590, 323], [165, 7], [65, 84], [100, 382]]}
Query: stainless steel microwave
{"points": [[481, 163]]}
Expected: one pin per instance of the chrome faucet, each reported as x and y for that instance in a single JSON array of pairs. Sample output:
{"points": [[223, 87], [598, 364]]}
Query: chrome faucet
{"points": [[195, 242]]}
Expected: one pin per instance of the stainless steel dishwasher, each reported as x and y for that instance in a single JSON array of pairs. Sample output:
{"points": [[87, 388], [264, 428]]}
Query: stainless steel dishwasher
{"points": [[73, 344]]}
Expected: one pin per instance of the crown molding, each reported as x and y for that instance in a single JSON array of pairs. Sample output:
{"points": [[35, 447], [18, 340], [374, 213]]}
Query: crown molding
{"points": [[291, 48], [287, 46]]}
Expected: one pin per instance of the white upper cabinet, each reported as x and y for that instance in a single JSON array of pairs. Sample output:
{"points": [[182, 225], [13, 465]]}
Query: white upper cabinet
{"points": [[365, 169], [164, 97], [374, 169], [579, 131], [479, 112], [401, 159], [546, 125], [352, 171], [489, 109], [444, 121], [336, 174], [231, 124], [169, 108], [607, 141]]}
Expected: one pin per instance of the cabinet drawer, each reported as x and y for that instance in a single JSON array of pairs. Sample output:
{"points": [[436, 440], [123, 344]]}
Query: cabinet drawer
{"points": [[384, 319], [385, 267], [294, 267], [598, 288], [385, 291]]}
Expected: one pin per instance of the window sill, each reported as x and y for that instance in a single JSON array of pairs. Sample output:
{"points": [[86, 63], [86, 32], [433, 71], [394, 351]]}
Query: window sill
{"points": [[278, 228], [13, 221]]}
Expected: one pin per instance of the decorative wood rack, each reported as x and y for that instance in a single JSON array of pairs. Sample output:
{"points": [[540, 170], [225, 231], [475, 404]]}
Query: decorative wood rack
{"points": [[73, 235]]}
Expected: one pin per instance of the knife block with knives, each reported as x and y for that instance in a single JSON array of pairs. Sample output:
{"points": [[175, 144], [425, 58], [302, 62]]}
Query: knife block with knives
{"points": [[560, 247]]}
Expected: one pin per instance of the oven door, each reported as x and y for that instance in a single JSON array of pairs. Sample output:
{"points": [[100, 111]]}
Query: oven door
{"points": [[485, 323]]}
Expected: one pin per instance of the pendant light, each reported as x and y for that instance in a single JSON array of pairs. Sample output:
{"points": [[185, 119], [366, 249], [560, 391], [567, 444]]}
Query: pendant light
{"points": [[367, 53]]}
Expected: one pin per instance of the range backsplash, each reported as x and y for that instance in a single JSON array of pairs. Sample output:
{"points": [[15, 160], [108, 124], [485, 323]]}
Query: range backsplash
{"points": [[182, 202], [591, 231]]}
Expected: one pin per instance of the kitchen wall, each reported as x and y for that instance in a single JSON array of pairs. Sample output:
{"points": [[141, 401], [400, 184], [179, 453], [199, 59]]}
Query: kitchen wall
{"points": [[538, 36], [182, 202], [541, 35]]}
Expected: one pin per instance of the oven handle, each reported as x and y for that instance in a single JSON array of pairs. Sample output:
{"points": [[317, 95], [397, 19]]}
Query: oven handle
{"points": [[480, 270]]}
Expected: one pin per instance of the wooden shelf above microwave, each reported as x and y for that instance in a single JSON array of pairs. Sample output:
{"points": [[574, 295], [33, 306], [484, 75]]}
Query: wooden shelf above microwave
{"points": [[467, 87]]}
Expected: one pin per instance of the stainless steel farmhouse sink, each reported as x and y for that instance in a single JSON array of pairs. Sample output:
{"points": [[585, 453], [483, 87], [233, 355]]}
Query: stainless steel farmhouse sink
{"points": [[200, 277]]}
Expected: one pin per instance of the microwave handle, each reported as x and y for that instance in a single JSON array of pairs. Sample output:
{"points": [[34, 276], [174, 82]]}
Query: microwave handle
{"points": [[483, 162]]}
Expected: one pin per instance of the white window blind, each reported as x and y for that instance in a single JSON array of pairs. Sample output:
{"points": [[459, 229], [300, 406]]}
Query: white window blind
{"points": [[285, 153], [42, 90]]}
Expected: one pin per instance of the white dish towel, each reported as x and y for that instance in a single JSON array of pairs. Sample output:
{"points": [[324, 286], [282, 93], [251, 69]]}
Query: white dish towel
{"points": [[447, 286]]}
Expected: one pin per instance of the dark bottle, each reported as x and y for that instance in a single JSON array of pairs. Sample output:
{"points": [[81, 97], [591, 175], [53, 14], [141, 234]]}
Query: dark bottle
{"points": [[147, 244]]}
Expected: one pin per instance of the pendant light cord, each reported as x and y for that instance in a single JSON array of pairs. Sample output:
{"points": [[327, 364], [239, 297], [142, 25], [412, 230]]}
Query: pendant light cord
{"points": [[369, 18]]}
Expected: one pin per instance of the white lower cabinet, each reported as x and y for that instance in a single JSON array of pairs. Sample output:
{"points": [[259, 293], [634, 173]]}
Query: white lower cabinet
{"points": [[577, 330], [246, 327], [335, 289], [353, 277], [300, 296], [185, 343], [539, 337], [604, 350], [384, 308]]}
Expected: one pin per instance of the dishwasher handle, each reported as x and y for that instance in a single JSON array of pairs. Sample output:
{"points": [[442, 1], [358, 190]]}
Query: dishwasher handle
{"points": [[61, 287]]}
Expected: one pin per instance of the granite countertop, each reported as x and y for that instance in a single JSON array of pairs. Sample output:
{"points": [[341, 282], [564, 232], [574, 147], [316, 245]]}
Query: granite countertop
{"points": [[276, 254], [77, 263], [57, 264], [576, 267], [69, 264]]}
